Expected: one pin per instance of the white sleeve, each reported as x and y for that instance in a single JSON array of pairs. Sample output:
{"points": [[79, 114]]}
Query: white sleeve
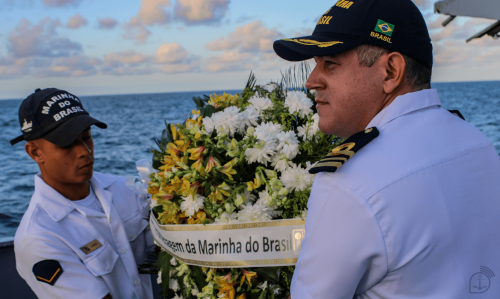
{"points": [[343, 251], [76, 281]]}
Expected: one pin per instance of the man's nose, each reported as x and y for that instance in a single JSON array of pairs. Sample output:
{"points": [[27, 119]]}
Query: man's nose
{"points": [[312, 81]]}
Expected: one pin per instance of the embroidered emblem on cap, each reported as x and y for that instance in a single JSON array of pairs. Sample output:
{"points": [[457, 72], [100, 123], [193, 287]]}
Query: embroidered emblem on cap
{"points": [[27, 126], [384, 27], [47, 271], [89, 247], [310, 42], [345, 151]]}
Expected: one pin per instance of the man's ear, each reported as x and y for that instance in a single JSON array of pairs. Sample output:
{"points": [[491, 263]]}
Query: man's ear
{"points": [[32, 148], [395, 67]]}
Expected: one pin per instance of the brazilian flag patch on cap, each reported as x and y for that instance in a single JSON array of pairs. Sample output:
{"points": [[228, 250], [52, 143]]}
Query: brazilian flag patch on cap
{"points": [[384, 27]]}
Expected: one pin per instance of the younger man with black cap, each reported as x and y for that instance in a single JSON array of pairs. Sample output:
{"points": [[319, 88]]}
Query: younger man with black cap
{"points": [[83, 233], [408, 206]]}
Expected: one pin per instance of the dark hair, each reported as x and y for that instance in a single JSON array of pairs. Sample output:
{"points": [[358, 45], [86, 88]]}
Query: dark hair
{"points": [[417, 73]]}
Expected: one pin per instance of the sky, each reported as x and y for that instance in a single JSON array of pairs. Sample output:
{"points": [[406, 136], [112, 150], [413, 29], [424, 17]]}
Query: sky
{"points": [[94, 47]]}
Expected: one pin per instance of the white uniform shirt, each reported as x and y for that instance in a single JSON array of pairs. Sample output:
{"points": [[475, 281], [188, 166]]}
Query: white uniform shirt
{"points": [[54, 228], [413, 214]]}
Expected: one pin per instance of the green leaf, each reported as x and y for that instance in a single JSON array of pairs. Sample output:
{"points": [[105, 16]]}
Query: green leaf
{"points": [[156, 164], [198, 277], [208, 111], [263, 294], [164, 266], [199, 102], [266, 273], [166, 136], [156, 210]]}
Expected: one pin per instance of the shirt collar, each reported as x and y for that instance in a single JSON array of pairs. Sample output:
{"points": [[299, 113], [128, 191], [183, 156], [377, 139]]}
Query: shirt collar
{"points": [[405, 104], [58, 206]]}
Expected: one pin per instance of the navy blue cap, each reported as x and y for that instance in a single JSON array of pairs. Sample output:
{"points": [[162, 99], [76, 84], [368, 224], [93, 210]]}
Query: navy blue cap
{"points": [[396, 25], [54, 115]]}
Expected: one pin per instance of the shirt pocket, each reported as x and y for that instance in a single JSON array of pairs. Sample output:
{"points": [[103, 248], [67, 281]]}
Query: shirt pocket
{"points": [[134, 227], [103, 261]]}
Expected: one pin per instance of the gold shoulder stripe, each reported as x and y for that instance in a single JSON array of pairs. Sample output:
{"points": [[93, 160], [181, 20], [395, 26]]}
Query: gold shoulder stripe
{"points": [[339, 155], [310, 42], [52, 278]]}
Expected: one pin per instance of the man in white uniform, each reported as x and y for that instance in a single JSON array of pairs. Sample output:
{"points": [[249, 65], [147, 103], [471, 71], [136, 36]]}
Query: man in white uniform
{"points": [[409, 205], [84, 232]]}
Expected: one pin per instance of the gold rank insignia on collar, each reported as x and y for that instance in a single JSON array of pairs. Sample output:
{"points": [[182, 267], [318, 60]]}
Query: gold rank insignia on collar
{"points": [[47, 271], [346, 150]]}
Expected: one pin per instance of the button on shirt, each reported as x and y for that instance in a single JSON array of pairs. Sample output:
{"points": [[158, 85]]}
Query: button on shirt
{"points": [[55, 228], [414, 214]]}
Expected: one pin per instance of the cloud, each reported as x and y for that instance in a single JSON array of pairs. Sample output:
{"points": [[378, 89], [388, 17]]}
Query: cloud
{"points": [[130, 57], [107, 23], [28, 40], [200, 11], [253, 37], [230, 61], [61, 3], [247, 47], [173, 58], [152, 12], [139, 33], [76, 22], [75, 66]]}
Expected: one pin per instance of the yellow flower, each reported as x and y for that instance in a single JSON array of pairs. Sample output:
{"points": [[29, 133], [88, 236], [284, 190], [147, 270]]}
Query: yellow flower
{"points": [[197, 218], [210, 274], [219, 193], [162, 196], [226, 288], [173, 129], [185, 188], [196, 152], [249, 276], [257, 182], [169, 214], [228, 168], [212, 162], [242, 296]]}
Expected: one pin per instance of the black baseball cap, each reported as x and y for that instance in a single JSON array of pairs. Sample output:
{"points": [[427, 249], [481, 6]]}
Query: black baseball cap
{"points": [[396, 25], [54, 115]]}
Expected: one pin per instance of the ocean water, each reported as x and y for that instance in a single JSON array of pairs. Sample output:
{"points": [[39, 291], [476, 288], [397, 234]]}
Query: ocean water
{"points": [[135, 120]]}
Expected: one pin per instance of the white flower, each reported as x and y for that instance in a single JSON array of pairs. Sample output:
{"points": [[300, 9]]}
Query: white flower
{"points": [[178, 297], [261, 153], [270, 87], [244, 198], [226, 218], [297, 101], [256, 212], [225, 122], [263, 285], [191, 205], [303, 215], [309, 129], [260, 104], [250, 117], [158, 280], [296, 177], [173, 262], [174, 285], [267, 129], [288, 144], [195, 291], [279, 162]]}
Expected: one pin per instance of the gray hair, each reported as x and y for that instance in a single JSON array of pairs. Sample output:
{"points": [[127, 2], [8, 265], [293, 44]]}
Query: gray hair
{"points": [[417, 73]]}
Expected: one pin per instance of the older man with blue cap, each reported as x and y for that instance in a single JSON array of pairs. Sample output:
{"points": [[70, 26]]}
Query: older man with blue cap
{"points": [[407, 207]]}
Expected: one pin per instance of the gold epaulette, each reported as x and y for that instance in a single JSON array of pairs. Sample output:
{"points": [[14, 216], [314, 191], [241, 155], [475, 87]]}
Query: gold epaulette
{"points": [[346, 150]]}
